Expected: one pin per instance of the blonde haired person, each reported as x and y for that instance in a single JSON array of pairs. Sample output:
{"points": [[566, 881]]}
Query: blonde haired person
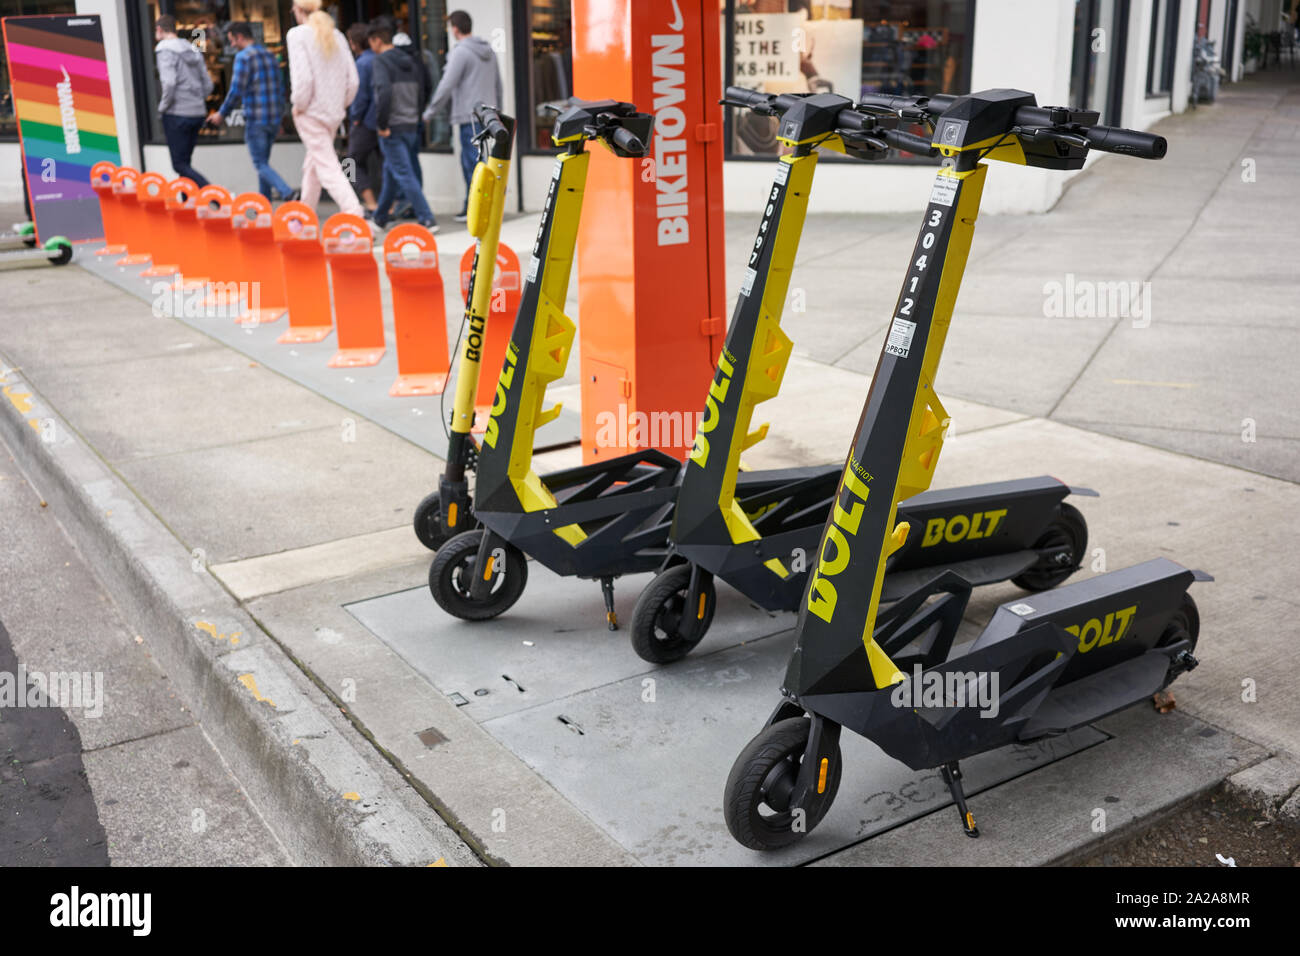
{"points": [[323, 78]]}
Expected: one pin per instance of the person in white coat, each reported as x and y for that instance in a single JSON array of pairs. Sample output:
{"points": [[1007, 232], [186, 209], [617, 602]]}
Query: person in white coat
{"points": [[323, 82]]}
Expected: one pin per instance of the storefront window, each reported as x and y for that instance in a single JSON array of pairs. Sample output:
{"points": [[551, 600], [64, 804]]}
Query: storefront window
{"points": [[1162, 47], [1097, 64], [16, 8], [849, 47], [203, 23], [546, 68], [433, 50]]}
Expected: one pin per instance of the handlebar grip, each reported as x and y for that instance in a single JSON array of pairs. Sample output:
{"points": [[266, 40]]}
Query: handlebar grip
{"points": [[1129, 142], [901, 139], [738, 95], [628, 141], [851, 119]]}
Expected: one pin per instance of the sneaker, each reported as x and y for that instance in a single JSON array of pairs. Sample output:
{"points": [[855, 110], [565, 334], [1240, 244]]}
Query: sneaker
{"points": [[462, 216], [432, 226], [294, 196]]}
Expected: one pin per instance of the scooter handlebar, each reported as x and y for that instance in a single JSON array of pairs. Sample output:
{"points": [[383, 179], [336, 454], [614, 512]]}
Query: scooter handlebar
{"points": [[901, 139], [934, 105], [1114, 139], [752, 99], [627, 140]]}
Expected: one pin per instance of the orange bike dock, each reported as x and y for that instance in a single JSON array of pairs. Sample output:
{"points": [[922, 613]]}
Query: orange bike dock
{"points": [[191, 244], [151, 195], [419, 311], [135, 229], [259, 259], [306, 277], [222, 246], [101, 180], [354, 274]]}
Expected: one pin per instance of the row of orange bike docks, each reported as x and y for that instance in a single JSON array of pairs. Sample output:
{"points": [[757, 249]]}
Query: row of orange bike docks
{"points": [[259, 264]]}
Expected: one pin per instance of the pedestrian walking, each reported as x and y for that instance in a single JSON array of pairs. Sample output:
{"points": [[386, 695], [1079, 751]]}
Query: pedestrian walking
{"points": [[185, 85], [255, 85], [363, 141], [470, 79], [323, 83], [400, 88]]}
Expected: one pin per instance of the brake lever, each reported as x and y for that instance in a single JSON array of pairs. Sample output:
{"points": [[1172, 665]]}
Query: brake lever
{"points": [[1067, 136]]}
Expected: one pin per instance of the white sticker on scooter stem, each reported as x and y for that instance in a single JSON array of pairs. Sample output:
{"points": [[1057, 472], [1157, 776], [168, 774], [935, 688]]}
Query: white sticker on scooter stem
{"points": [[1024, 610], [900, 338], [747, 283], [944, 191]]}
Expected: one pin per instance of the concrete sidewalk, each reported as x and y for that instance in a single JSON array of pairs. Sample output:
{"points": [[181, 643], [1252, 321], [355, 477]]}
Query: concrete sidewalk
{"points": [[1178, 416]]}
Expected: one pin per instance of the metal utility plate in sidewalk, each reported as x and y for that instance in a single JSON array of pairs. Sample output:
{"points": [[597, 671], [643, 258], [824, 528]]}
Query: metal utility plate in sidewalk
{"points": [[644, 751], [361, 390]]}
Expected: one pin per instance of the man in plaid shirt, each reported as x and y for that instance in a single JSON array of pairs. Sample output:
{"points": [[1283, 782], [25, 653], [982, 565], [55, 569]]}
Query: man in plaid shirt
{"points": [[255, 82]]}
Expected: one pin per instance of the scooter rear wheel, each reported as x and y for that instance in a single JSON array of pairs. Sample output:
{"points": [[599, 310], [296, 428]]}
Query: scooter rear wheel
{"points": [[1068, 529], [756, 801], [428, 522], [661, 610], [1185, 625], [453, 569]]}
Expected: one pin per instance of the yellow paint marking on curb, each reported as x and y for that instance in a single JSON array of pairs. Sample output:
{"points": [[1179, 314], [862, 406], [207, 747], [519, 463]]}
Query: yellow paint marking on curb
{"points": [[441, 861], [210, 629], [352, 795], [1138, 381], [35, 423], [251, 683], [20, 400]]}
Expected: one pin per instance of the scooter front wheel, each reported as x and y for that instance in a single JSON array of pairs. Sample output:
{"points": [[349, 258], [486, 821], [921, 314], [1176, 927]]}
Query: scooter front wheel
{"points": [[757, 801], [1067, 535], [451, 577], [668, 622]]}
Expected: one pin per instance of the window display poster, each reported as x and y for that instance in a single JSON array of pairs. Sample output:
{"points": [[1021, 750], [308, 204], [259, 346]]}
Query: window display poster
{"points": [[64, 107], [767, 52], [832, 56]]}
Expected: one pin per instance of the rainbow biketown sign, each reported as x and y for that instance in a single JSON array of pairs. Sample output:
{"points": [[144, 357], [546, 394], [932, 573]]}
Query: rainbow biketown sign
{"points": [[64, 108]]}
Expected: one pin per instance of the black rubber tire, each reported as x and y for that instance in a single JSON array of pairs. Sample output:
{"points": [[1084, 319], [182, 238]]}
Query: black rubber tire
{"points": [[1068, 527], [656, 632], [428, 523], [64, 256], [1184, 625], [448, 578], [781, 742]]}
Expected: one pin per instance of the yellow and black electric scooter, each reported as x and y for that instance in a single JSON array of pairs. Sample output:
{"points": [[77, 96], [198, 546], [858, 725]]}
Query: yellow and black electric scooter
{"points": [[596, 521], [448, 511], [1044, 665], [754, 530]]}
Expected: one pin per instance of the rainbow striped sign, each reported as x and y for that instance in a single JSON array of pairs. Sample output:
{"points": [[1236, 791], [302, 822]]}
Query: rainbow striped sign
{"points": [[65, 118]]}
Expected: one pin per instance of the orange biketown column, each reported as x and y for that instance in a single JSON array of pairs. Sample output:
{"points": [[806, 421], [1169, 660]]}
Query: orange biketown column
{"points": [[651, 292]]}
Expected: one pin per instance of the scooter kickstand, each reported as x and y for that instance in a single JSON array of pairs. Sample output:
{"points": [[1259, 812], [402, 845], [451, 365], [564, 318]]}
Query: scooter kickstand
{"points": [[952, 777], [607, 589]]}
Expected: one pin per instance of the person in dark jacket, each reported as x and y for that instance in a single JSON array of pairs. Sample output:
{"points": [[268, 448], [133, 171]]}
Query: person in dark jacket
{"points": [[399, 90], [363, 140], [185, 85], [471, 78]]}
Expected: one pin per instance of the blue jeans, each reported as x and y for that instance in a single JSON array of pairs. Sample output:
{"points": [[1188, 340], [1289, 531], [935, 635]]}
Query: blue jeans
{"points": [[468, 155], [399, 176], [259, 137], [182, 133]]}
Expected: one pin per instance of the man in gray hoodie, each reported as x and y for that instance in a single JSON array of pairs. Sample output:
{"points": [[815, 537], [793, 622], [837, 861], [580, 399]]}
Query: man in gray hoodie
{"points": [[471, 78], [185, 85]]}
